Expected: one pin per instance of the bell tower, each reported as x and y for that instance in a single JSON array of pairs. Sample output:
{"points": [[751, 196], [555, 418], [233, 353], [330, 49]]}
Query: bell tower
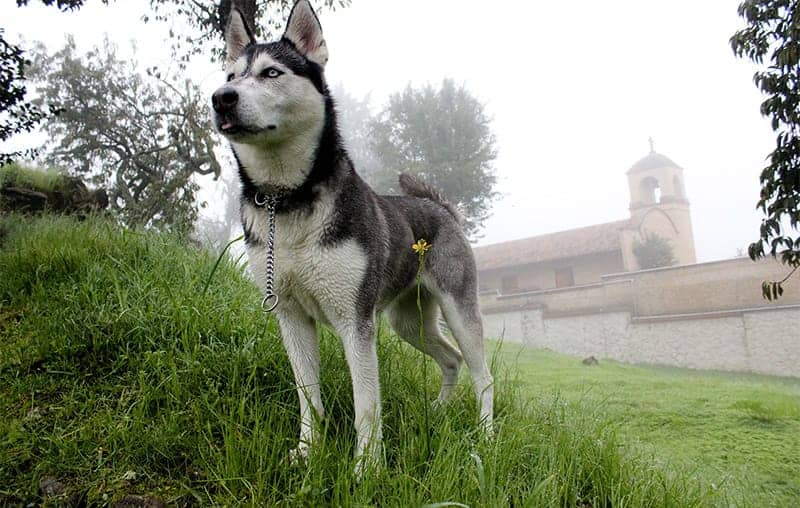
{"points": [[658, 205]]}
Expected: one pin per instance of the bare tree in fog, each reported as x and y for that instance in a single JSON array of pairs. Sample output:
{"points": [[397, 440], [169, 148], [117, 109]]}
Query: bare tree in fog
{"points": [[144, 138], [442, 135]]}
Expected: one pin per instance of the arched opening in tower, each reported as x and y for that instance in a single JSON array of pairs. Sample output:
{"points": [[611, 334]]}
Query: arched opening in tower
{"points": [[651, 190]]}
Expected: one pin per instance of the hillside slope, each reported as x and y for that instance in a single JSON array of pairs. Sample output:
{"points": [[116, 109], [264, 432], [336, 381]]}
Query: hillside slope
{"points": [[119, 376]]}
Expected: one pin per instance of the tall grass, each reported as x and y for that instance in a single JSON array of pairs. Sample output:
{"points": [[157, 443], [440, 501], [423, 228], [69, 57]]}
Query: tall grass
{"points": [[113, 360], [16, 175]]}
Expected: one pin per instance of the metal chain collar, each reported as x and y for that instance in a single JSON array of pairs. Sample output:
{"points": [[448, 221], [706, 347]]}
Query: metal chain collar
{"points": [[270, 300]]}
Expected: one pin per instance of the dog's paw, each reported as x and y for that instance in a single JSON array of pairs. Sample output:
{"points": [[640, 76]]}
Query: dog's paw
{"points": [[369, 461], [487, 427], [298, 455], [365, 464]]}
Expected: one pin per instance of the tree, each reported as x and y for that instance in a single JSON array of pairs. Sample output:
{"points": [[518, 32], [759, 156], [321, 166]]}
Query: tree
{"points": [[773, 32], [142, 136], [653, 251], [443, 136], [207, 19], [18, 115]]}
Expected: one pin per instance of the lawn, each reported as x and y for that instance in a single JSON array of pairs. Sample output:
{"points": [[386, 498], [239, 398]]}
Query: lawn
{"points": [[738, 432]]}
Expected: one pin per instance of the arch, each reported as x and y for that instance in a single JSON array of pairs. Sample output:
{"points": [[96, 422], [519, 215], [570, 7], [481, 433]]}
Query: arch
{"points": [[640, 226], [650, 190]]}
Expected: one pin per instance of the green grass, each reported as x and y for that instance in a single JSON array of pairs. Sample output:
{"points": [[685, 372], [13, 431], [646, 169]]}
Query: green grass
{"points": [[113, 361], [738, 431], [15, 175]]}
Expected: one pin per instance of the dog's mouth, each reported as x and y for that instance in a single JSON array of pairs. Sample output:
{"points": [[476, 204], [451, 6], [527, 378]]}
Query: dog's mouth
{"points": [[230, 126]]}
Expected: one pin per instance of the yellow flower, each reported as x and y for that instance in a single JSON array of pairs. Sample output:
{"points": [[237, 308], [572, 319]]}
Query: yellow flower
{"points": [[421, 246]]}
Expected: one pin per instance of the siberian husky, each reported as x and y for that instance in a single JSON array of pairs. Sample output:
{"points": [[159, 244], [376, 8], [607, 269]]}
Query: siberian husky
{"points": [[341, 253]]}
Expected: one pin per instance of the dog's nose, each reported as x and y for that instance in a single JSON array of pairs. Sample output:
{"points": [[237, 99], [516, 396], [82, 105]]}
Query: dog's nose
{"points": [[224, 99]]}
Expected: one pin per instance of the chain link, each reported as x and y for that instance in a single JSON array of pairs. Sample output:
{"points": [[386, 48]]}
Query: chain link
{"points": [[270, 300]]}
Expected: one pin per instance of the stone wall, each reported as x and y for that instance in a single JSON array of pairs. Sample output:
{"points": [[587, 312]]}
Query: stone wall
{"points": [[705, 316]]}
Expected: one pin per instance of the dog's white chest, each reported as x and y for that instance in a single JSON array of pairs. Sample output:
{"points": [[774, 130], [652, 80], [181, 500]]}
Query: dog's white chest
{"points": [[324, 280]]}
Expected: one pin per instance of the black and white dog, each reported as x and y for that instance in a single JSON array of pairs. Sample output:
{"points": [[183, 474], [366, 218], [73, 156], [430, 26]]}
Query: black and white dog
{"points": [[342, 253]]}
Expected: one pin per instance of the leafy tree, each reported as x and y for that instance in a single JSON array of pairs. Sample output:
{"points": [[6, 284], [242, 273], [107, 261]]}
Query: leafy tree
{"points": [[773, 33], [18, 115], [442, 135], [653, 251], [145, 138]]}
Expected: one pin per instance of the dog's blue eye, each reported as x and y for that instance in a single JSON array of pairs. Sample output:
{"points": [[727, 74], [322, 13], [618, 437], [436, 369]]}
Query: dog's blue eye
{"points": [[231, 76], [270, 72]]}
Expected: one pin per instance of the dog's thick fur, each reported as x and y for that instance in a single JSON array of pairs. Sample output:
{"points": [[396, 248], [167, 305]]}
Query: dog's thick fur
{"points": [[342, 252]]}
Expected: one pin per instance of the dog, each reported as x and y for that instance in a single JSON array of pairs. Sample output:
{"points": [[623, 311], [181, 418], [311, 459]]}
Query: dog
{"points": [[339, 253]]}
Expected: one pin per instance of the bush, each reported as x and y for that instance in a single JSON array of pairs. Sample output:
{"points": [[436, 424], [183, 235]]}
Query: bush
{"points": [[653, 251]]}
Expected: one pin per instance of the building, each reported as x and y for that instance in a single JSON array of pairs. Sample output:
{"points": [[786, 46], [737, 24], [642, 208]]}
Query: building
{"points": [[658, 205], [581, 292]]}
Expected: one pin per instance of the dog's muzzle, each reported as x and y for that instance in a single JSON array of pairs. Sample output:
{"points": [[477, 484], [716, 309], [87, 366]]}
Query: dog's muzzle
{"points": [[224, 100]]}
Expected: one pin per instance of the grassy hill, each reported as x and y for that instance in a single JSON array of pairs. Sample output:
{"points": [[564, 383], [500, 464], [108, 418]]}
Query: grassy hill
{"points": [[120, 376]]}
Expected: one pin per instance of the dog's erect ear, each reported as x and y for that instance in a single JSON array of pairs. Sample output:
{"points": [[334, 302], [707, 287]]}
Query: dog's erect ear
{"points": [[237, 36], [305, 32]]}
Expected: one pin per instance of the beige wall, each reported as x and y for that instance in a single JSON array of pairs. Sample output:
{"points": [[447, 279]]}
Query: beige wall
{"points": [[708, 315], [586, 269], [702, 287], [705, 287]]}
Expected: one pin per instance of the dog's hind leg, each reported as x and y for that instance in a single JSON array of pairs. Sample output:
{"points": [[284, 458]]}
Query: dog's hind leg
{"points": [[404, 317], [464, 320], [300, 340]]}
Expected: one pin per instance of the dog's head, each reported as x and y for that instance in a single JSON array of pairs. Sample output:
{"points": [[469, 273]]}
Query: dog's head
{"points": [[274, 91]]}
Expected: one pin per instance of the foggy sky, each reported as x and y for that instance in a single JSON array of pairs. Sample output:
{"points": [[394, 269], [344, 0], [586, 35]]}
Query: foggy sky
{"points": [[574, 89]]}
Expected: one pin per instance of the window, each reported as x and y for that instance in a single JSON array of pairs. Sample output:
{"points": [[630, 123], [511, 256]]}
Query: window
{"points": [[651, 190], [564, 277], [510, 284]]}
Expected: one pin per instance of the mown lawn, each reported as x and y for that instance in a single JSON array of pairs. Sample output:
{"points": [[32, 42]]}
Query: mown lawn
{"points": [[737, 432]]}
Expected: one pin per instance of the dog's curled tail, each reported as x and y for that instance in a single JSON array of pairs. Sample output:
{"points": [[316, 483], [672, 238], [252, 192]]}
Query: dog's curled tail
{"points": [[415, 187]]}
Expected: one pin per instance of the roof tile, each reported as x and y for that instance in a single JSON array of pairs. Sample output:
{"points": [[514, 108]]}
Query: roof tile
{"points": [[563, 244]]}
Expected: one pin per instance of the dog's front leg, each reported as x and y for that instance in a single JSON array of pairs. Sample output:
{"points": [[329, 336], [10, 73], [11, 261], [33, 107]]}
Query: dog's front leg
{"points": [[301, 343], [358, 336]]}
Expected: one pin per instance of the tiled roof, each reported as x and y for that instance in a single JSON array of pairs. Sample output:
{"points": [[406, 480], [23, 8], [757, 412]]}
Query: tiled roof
{"points": [[563, 244]]}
